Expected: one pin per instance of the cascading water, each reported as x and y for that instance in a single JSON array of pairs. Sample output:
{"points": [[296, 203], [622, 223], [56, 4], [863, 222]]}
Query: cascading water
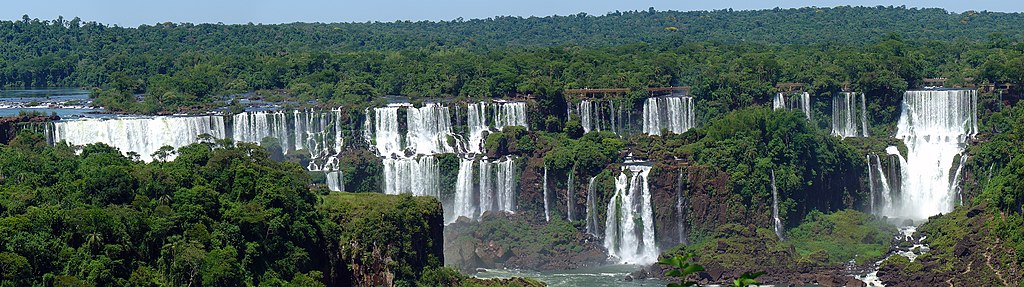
{"points": [[493, 189], [681, 206], [674, 114], [416, 176], [935, 126], [547, 213], [586, 110], [507, 114], [629, 226], [465, 203], [334, 181], [429, 129], [318, 133], [477, 126], [802, 103], [779, 102], [849, 119], [569, 198], [506, 187], [775, 209], [881, 193], [141, 135], [591, 208], [387, 139]]}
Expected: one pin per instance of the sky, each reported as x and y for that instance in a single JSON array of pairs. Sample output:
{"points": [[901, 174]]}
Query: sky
{"points": [[132, 13]]}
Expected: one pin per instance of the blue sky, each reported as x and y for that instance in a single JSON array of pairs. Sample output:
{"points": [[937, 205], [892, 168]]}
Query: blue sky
{"points": [[136, 12]]}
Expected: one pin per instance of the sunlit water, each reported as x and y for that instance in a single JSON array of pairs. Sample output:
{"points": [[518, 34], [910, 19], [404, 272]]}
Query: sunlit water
{"points": [[64, 102]]}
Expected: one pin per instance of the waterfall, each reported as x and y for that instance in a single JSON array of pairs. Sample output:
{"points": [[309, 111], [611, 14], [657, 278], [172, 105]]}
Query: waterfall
{"points": [[569, 197], [464, 203], [334, 181], [871, 187], [775, 209], [253, 127], [681, 207], [319, 134], [416, 176], [802, 103], [629, 227], [547, 213], [849, 119], [935, 126], [493, 189], [954, 185], [140, 135], [878, 183], [601, 115], [387, 139], [585, 109], [779, 102], [864, 116], [429, 128], [507, 114], [805, 104], [591, 208], [674, 114], [506, 188], [477, 126]]}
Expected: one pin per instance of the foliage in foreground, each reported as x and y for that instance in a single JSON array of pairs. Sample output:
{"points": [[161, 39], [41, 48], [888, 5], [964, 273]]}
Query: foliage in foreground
{"points": [[219, 214], [683, 269]]}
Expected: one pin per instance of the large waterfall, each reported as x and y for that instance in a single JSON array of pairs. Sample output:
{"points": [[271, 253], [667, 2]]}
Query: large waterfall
{"points": [[493, 190], [800, 102], [428, 130], [629, 224], [504, 114], [409, 156], [935, 126], [849, 116], [507, 114], [674, 114], [409, 164], [319, 134], [416, 176], [139, 135]]}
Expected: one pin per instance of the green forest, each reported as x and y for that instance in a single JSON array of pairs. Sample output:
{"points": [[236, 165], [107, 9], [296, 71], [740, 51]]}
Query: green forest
{"points": [[222, 213], [721, 54]]}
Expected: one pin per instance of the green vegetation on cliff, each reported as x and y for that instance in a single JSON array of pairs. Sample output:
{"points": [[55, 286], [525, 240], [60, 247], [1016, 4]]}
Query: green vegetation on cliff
{"points": [[841, 236], [219, 214]]}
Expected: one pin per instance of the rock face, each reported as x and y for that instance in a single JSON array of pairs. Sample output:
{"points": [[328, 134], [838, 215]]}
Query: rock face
{"points": [[502, 240], [9, 125], [964, 251], [382, 239]]}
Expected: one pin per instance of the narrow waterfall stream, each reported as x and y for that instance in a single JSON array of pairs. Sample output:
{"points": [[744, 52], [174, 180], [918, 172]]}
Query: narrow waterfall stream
{"points": [[547, 212], [775, 209]]}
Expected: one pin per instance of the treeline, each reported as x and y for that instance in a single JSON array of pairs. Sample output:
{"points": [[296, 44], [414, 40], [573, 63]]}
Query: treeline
{"points": [[741, 55]]}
